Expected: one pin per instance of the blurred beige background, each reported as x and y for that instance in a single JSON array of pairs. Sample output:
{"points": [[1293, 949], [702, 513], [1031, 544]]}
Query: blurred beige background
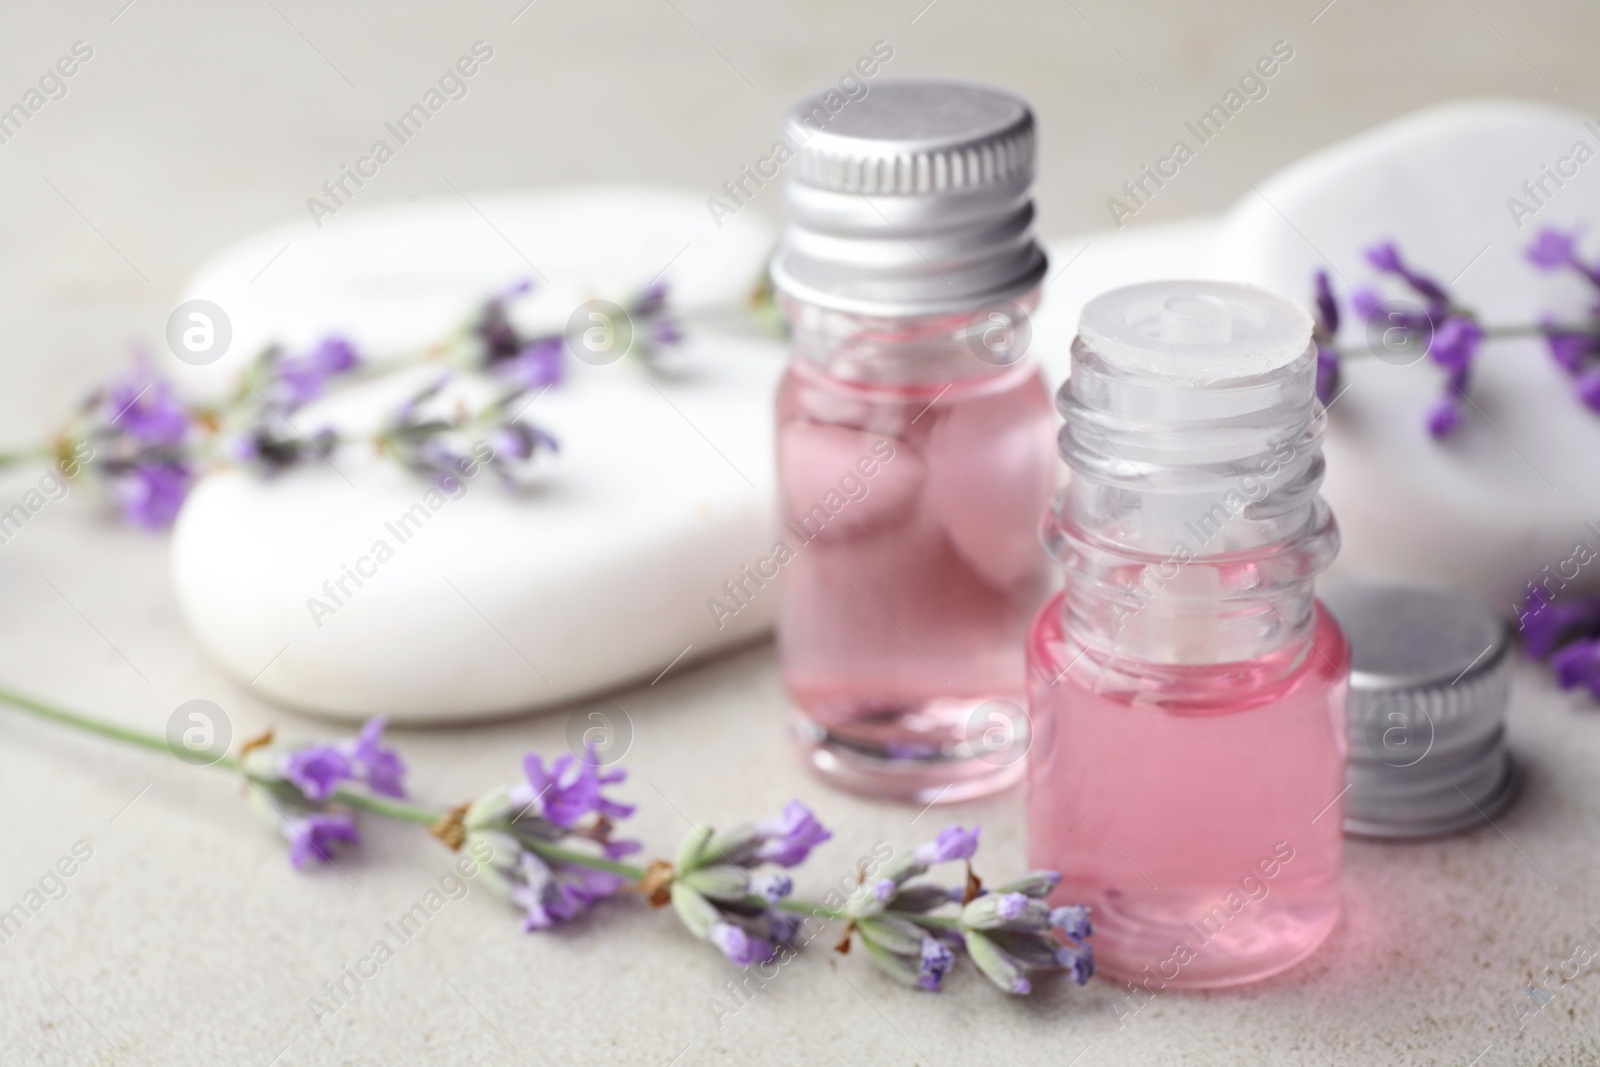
{"points": [[187, 940]]}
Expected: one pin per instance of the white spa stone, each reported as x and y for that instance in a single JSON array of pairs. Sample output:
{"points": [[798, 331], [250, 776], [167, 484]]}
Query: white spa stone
{"points": [[1514, 489], [495, 601]]}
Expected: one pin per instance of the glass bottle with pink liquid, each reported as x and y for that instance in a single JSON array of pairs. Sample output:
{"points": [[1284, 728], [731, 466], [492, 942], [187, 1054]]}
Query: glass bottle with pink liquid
{"points": [[914, 437], [1186, 688]]}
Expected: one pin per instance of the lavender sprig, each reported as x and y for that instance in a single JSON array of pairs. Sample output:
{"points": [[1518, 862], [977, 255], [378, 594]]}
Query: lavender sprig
{"points": [[547, 844], [448, 441], [1009, 933], [1574, 347], [1452, 334], [148, 448]]}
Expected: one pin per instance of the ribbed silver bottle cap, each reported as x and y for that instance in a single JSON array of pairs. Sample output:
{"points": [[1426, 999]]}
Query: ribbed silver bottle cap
{"points": [[913, 199], [1430, 674]]}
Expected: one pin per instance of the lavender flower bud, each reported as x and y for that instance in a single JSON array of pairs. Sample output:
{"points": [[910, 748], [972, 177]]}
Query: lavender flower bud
{"points": [[1552, 248], [697, 913], [1078, 963], [1385, 257], [784, 926], [935, 961], [896, 935], [1444, 418], [693, 850], [898, 967], [1072, 920], [317, 770], [1001, 968], [905, 951], [771, 887], [789, 839], [1033, 884], [1008, 911], [737, 845], [719, 882], [917, 899], [738, 945], [953, 843]]}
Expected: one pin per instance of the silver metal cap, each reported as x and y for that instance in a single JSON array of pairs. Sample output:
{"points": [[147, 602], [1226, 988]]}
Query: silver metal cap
{"points": [[914, 198], [1430, 675]]}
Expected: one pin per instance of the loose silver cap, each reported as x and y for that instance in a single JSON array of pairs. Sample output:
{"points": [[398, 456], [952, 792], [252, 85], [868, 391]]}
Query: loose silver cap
{"points": [[912, 199], [1429, 680]]}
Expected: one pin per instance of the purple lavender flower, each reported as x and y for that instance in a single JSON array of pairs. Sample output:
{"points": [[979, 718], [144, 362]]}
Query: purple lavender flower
{"points": [[514, 442], [953, 843], [552, 893], [568, 790], [1444, 418], [771, 887], [1578, 664], [143, 407], [539, 364], [1546, 624], [517, 821], [653, 322], [617, 849], [498, 337], [934, 961], [317, 770], [651, 302], [431, 442], [1327, 306], [736, 943], [1324, 333], [1553, 248], [313, 835], [1010, 905], [1386, 258], [1365, 302], [1588, 388], [1455, 342], [789, 839], [1072, 920], [718, 898], [1569, 349], [1078, 962], [380, 768], [151, 493], [664, 333], [300, 379]]}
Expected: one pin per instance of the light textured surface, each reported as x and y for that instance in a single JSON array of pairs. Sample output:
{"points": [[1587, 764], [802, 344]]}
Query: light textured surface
{"points": [[187, 941]]}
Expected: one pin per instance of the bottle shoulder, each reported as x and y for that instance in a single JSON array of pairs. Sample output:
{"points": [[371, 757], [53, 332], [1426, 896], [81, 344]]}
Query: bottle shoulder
{"points": [[1313, 660]]}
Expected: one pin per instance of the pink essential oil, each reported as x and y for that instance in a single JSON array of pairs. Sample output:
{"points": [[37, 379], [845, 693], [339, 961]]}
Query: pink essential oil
{"points": [[1187, 690], [914, 439]]}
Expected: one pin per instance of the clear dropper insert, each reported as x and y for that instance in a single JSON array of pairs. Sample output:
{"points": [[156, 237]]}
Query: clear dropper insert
{"points": [[1191, 526]]}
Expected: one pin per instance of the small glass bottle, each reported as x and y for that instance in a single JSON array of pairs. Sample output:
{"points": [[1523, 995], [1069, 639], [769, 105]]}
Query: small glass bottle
{"points": [[1187, 689], [914, 437]]}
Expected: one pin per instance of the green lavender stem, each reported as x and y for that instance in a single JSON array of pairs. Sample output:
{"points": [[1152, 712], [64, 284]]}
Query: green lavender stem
{"points": [[125, 734], [802, 907], [1589, 328], [394, 809]]}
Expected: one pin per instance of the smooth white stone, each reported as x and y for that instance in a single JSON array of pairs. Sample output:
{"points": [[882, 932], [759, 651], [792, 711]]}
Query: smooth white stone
{"points": [[500, 601], [1512, 491]]}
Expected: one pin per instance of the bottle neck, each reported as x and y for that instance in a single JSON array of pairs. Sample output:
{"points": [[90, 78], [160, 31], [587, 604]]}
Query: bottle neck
{"points": [[1191, 531], [912, 350]]}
